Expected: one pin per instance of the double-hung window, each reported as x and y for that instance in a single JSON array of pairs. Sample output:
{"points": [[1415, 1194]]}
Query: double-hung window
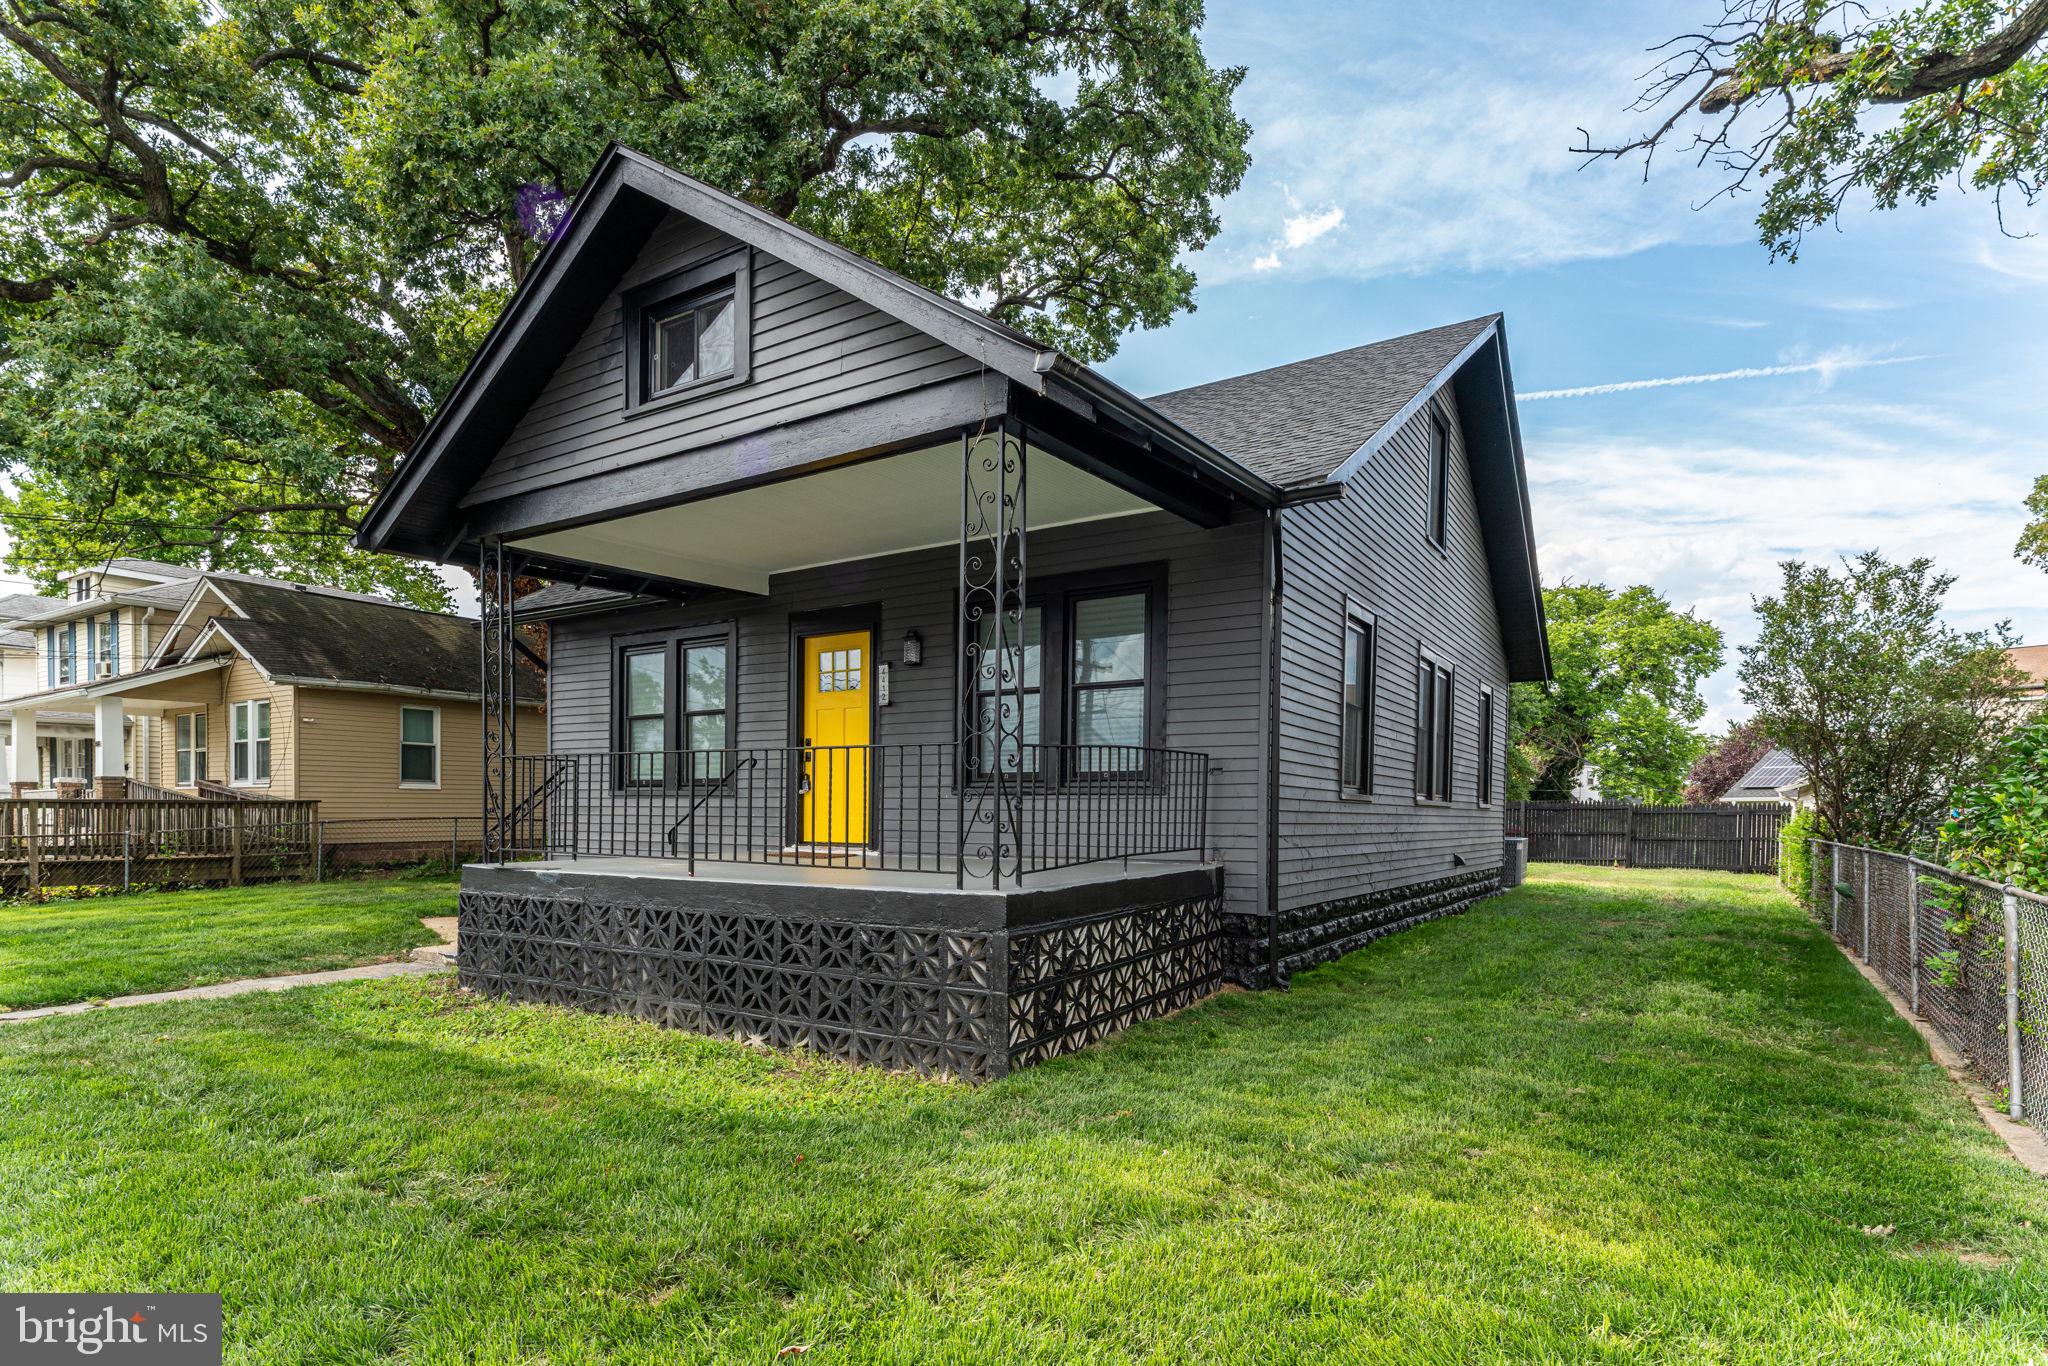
{"points": [[1083, 665], [190, 743], [249, 742], [674, 696], [1487, 724], [1439, 482], [1355, 731], [419, 746], [1109, 683], [1434, 705], [999, 682]]}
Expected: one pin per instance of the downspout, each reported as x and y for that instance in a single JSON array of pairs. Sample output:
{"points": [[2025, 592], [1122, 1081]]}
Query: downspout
{"points": [[1274, 585]]}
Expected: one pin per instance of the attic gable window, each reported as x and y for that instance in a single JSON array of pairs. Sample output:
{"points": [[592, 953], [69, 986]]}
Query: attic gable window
{"points": [[692, 343], [689, 334]]}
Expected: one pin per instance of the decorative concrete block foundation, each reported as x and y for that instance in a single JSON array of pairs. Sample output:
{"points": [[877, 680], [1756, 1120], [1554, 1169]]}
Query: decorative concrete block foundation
{"points": [[1328, 930], [967, 984]]}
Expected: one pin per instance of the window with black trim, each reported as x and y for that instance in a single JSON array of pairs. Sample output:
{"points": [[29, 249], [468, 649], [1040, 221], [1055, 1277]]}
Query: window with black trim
{"points": [[1022, 668], [1356, 729], [1439, 482], [689, 333], [1110, 682], [1434, 708], [1486, 728], [673, 695], [1088, 666], [690, 341]]}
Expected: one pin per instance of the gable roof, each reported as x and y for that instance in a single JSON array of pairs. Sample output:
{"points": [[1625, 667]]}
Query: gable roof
{"points": [[14, 606], [159, 568], [305, 636], [1297, 424], [1259, 440]]}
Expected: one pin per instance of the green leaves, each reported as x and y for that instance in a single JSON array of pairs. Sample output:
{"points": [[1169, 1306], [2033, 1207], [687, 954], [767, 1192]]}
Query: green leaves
{"points": [[233, 288], [1624, 698], [1889, 709]]}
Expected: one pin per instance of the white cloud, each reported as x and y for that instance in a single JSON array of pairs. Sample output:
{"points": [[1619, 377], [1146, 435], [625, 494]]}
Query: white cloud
{"points": [[1704, 507], [1447, 149], [1827, 367], [1270, 261], [1305, 228]]}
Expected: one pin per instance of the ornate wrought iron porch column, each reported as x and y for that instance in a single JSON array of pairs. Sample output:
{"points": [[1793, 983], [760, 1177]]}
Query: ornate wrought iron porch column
{"points": [[499, 697], [990, 641]]}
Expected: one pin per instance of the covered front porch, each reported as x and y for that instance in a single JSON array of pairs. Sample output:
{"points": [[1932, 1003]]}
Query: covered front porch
{"points": [[1014, 727], [890, 763]]}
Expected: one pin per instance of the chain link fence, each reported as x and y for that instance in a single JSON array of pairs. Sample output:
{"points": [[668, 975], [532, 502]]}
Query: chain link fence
{"points": [[1968, 956], [359, 845]]}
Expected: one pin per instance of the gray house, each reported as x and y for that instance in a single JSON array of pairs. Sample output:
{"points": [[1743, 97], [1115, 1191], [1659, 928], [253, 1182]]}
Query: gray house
{"points": [[917, 694]]}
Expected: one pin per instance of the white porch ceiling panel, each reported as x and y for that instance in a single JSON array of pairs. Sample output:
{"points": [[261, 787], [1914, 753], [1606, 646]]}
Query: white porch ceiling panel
{"points": [[879, 507]]}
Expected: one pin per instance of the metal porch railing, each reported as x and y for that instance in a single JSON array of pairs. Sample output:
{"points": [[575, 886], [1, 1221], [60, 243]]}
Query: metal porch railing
{"points": [[895, 808]]}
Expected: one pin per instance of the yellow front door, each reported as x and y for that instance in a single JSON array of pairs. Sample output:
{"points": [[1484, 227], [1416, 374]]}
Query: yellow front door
{"points": [[838, 678]]}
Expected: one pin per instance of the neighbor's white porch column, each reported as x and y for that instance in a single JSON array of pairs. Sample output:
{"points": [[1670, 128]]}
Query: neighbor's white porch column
{"points": [[26, 756], [109, 739]]}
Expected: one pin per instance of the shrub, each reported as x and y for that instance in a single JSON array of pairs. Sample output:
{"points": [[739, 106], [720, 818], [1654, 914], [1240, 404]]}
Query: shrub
{"points": [[1795, 854], [1998, 827]]}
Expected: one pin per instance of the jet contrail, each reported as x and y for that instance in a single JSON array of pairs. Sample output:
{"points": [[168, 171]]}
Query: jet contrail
{"points": [[1748, 372]]}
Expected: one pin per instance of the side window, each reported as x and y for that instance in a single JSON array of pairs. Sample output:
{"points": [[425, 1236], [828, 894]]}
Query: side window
{"points": [[1439, 482], [249, 742], [189, 739], [1487, 726], [1434, 708], [1356, 727], [419, 746]]}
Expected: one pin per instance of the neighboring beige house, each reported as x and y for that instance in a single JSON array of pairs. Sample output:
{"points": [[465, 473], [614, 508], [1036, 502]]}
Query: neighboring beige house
{"points": [[2031, 660], [261, 687], [106, 623]]}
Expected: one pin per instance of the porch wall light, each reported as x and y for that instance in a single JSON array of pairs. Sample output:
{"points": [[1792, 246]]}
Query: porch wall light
{"points": [[913, 649]]}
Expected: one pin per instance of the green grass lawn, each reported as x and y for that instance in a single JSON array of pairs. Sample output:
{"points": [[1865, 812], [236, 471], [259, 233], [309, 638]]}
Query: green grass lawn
{"points": [[1610, 1117], [65, 951]]}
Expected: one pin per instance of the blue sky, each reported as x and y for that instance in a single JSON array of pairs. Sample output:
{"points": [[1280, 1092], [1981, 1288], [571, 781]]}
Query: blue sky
{"points": [[1405, 178]]}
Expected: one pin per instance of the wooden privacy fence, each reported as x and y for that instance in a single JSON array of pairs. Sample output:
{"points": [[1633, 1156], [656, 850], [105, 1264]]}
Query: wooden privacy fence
{"points": [[1729, 839], [88, 842]]}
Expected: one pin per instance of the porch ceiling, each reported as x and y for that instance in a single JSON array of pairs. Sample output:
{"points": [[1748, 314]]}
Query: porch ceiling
{"points": [[854, 512]]}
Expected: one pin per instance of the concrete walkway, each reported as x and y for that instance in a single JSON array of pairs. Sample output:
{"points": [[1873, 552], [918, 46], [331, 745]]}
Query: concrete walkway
{"points": [[243, 987], [425, 962]]}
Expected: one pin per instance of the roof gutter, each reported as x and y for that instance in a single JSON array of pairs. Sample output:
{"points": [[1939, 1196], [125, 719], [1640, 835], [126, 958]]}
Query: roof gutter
{"points": [[1207, 460], [387, 689]]}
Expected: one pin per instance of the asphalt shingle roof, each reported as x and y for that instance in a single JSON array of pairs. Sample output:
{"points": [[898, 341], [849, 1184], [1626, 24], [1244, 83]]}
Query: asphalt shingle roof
{"points": [[168, 570], [556, 597], [14, 606], [294, 632], [1296, 423]]}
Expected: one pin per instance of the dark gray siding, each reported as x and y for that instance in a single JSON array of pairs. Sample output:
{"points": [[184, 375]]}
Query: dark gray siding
{"points": [[1370, 546], [1213, 683], [815, 349]]}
